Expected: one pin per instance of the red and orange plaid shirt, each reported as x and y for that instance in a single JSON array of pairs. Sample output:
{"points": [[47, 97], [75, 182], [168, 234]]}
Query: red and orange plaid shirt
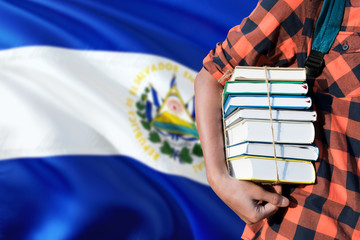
{"points": [[279, 33]]}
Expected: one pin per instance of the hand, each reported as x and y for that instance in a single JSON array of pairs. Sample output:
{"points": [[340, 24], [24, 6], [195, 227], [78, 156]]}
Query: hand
{"points": [[249, 200], [245, 198]]}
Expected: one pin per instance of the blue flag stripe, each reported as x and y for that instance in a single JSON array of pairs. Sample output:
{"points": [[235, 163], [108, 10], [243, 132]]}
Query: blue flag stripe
{"points": [[129, 201], [104, 196], [183, 31]]}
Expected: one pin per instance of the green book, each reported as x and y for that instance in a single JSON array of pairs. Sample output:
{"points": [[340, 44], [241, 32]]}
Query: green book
{"points": [[259, 87]]}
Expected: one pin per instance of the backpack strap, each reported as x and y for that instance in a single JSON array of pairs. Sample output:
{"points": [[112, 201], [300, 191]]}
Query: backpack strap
{"points": [[326, 28]]}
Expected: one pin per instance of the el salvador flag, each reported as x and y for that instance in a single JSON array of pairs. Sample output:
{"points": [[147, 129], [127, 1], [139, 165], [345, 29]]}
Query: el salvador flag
{"points": [[97, 131]]}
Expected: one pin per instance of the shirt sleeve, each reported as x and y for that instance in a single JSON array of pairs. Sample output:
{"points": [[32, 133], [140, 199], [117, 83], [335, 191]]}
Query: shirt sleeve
{"points": [[274, 34]]}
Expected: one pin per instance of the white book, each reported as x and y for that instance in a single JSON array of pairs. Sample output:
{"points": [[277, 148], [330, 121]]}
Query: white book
{"points": [[273, 73], [260, 87], [251, 130], [264, 170], [263, 113], [288, 151]]}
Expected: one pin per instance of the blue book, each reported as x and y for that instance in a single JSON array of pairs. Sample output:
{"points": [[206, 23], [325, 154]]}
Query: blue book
{"points": [[306, 152], [233, 102]]}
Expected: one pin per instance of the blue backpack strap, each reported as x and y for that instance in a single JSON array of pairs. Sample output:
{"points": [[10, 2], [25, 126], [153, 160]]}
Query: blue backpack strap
{"points": [[327, 27]]}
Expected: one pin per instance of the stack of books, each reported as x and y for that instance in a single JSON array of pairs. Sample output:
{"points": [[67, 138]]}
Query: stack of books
{"points": [[249, 139]]}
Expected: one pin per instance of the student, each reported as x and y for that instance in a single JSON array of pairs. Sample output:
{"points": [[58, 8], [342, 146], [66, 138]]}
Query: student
{"points": [[279, 33]]}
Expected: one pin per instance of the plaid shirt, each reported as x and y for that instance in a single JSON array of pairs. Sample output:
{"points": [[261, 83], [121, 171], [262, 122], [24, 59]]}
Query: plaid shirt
{"points": [[279, 33]]}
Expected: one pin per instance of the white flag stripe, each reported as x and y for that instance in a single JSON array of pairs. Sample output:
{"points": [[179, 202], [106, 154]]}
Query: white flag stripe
{"points": [[58, 101]]}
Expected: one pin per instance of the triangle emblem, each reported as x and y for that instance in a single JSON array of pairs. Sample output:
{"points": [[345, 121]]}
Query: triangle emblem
{"points": [[173, 116]]}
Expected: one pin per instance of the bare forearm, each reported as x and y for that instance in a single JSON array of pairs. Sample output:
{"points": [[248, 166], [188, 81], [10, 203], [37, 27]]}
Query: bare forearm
{"points": [[208, 117], [241, 196]]}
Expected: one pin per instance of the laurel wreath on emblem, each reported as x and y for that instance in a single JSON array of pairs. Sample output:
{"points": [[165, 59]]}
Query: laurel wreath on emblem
{"points": [[185, 155]]}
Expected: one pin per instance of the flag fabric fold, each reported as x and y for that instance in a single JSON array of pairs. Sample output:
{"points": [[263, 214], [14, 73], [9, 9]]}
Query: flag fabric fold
{"points": [[81, 83]]}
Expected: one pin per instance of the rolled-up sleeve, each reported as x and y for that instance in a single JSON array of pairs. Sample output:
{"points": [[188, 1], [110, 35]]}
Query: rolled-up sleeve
{"points": [[273, 34]]}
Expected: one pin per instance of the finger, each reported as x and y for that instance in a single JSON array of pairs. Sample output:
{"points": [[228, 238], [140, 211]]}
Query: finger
{"points": [[273, 188], [275, 199], [271, 197], [268, 210], [261, 212], [278, 188]]}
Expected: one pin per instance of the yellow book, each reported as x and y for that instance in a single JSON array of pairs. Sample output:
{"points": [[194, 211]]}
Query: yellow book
{"points": [[260, 169]]}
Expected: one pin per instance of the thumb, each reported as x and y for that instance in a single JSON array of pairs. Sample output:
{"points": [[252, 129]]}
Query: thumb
{"points": [[278, 188], [276, 199]]}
